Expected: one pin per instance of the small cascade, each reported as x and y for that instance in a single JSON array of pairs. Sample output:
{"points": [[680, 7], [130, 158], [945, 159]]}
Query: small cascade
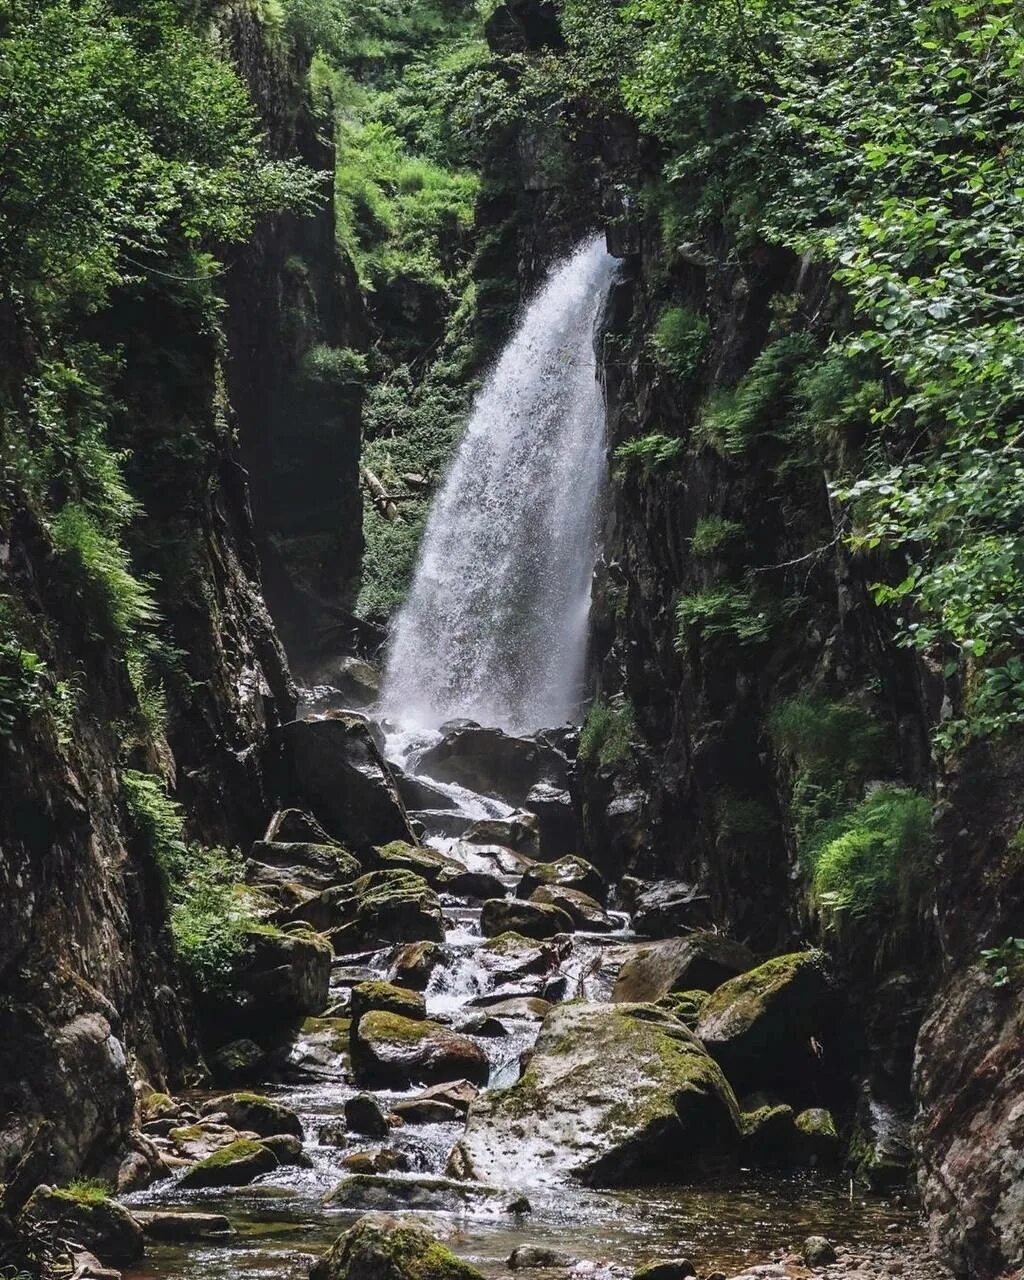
{"points": [[494, 628]]}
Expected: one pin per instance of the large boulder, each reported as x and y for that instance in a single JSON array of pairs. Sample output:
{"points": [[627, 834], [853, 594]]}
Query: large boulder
{"points": [[382, 907], [388, 1049], [337, 769], [613, 1095], [436, 868], [518, 832], [87, 1215], [568, 872], [585, 912], [254, 1113], [356, 683], [367, 996], [533, 919], [774, 1027], [235, 1165], [283, 978], [383, 1248], [699, 961], [667, 908], [292, 826], [557, 825], [273, 865], [412, 964], [494, 763]]}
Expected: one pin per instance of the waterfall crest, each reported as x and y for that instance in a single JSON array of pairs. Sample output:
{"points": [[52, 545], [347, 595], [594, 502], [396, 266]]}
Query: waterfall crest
{"points": [[494, 627]]}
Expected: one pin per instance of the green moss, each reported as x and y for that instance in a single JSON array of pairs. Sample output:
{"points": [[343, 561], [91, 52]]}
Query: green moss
{"points": [[240, 1149], [381, 1024], [509, 943], [335, 1030], [745, 996], [155, 1104], [85, 1191], [687, 1006], [187, 1133]]}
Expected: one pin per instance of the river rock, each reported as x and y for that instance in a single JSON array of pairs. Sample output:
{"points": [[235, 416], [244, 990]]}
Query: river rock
{"points": [[446, 824], [518, 833], [434, 867], [419, 793], [383, 995], [494, 763], [613, 1095], [763, 1025], [293, 826], [453, 1093], [586, 912], [818, 1252], [412, 965], [335, 765], [237, 1062], [426, 1111], [667, 908], [570, 872], [385, 1248], [391, 1050], [288, 1150], [477, 886], [531, 1007], [92, 1220], [509, 956], [356, 682], [558, 829], [182, 1225], [382, 907], [257, 1114], [364, 1115], [526, 1257], [368, 1192], [376, 1160], [532, 919], [235, 1165], [282, 978], [666, 1269], [302, 864], [699, 961], [88, 1267], [817, 1141]]}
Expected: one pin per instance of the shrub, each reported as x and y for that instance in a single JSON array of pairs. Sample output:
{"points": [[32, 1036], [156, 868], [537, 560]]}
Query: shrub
{"points": [[870, 862], [712, 534], [156, 819], [680, 340], [648, 453], [824, 736], [725, 611], [21, 685], [334, 366], [609, 737], [122, 600]]}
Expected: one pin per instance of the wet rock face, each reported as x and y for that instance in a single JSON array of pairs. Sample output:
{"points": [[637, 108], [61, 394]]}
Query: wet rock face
{"points": [[969, 1079], [386, 1248], [532, 919], [388, 1049], [102, 1226], [699, 961], [612, 1095], [335, 765], [495, 763], [769, 1028]]}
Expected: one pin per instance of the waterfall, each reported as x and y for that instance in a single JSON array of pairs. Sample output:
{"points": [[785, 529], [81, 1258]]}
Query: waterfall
{"points": [[494, 627]]}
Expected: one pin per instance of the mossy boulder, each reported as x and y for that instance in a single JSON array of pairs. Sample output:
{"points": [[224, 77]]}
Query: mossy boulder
{"points": [[386, 1248], [85, 1214], [817, 1140], [569, 872], [284, 977], [412, 964], [687, 1006], [256, 1114], [769, 1133], [272, 865], [367, 996], [388, 1049], [534, 919], [772, 1027], [382, 907], [237, 1062], [364, 1115], [586, 912], [235, 1165], [698, 961], [434, 867], [613, 1095], [666, 1269]]}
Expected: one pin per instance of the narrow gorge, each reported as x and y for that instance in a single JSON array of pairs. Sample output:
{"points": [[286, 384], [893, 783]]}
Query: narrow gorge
{"points": [[511, 589]]}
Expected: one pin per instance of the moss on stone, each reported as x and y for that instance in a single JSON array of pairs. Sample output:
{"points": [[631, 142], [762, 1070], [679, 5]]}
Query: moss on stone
{"points": [[687, 1006], [233, 1153], [336, 1031], [380, 1024], [85, 1192], [509, 942], [376, 995]]}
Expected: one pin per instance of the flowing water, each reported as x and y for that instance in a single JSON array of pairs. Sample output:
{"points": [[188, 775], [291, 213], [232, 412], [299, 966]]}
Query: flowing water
{"points": [[494, 628]]}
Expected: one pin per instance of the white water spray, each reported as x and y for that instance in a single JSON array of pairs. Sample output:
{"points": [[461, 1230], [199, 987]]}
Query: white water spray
{"points": [[494, 628]]}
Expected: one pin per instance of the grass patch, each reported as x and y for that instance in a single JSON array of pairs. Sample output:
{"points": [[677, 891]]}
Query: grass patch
{"points": [[649, 453], [609, 735], [727, 612], [713, 534], [680, 340]]}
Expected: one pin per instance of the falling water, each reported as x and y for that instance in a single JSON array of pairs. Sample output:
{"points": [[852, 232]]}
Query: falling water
{"points": [[494, 628]]}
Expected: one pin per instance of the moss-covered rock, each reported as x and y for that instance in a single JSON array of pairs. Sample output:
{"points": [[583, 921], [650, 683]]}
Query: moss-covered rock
{"points": [[388, 1049], [257, 1114], [310, 866], [698, 961], [413, 964], [235, 1165], [237, 1062], [769, 1133], [763, 1026], [383, 907], [437, 869], [84, 1213], [614, 1095], [817, 1140], [687, 1006], [534, 919], [384, 1248], [283, 977], [586, 912], [569, 872], [367, 996], [364, 1115]]}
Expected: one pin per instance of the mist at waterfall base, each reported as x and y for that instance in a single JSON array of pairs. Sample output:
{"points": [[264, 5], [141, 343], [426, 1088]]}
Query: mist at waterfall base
{"points": [[495, 625]]}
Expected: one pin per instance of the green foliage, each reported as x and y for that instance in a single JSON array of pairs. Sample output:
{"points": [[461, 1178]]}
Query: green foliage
{"points": [[739, 815], [723, 611], [871, 863], [211, 911], [1005, 963], [649, 453], [713, 534], [334, 366], [680, 340], [825, 737], [758, 406], [120, 601], [609, 738], [89, 1191], [21, 686]]}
